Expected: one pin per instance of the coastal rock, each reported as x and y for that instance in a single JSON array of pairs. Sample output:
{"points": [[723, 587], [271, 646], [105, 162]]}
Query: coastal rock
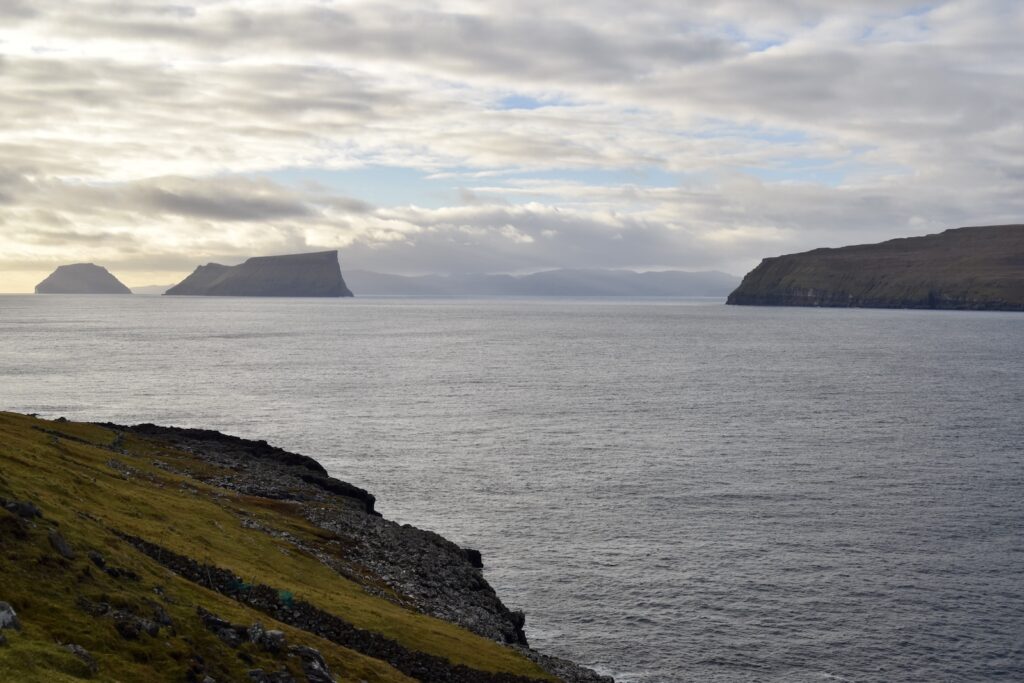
{"points": [[81, 278], [294, 275], [978, 268]]}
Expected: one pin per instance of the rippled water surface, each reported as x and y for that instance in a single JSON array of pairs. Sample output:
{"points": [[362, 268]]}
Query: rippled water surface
{"points": [[672, 490]]}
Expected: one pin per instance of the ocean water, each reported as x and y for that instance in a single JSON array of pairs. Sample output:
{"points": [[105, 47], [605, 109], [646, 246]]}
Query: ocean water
{"points": [[671, 490]]}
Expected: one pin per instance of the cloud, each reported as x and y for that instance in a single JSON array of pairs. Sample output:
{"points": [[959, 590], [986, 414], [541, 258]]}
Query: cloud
{"points": [[665, 135]]}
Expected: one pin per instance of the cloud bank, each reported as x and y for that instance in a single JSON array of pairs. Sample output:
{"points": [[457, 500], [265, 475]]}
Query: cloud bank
{"points": [[507, 137]]}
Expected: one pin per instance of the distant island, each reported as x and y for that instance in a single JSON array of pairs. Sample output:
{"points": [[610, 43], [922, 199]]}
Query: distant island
{"points": [[973, 268], [81, 278], [561, 282], [299, 275]]}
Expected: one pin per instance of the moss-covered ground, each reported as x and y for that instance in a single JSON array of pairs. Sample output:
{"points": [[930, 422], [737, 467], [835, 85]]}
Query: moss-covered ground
{"points": [[89, 493]]}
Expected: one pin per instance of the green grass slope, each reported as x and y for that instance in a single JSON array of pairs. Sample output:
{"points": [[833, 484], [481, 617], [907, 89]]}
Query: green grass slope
{"points": [[94, 487]]}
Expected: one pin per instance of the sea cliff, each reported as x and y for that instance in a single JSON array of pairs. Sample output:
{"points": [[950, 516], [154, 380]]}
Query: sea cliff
{"points": [[978, 268], [293, 275], [155, 553]]}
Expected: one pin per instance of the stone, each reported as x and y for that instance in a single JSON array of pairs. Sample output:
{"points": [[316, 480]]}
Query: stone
{"points": [[313, 664], [22, 508], [8, 617], [274, 641], [261, 676], [84, 656], [61, 545], [229, 636]]}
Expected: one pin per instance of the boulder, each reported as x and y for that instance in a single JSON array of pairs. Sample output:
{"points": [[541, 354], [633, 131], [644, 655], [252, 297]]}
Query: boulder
{"points": [[61, 545], [83, 656], [8, 617]]}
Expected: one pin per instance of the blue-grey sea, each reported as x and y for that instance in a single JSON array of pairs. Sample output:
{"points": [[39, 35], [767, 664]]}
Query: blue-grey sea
{"points": [[672, 490]]}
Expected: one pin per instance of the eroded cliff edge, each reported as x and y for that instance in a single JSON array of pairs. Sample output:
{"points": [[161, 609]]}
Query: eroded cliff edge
{"points": [[973, 268], [293, 275], [154, 553]]}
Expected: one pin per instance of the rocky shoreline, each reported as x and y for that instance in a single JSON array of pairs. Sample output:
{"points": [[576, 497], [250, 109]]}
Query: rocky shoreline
{"points": [[411, 567]]}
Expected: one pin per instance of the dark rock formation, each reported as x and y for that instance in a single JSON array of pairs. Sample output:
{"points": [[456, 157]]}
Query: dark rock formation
{"points": [[979, 268], [299, 275], [81, 278], [60, 544], [415, 568], [8, 617]]}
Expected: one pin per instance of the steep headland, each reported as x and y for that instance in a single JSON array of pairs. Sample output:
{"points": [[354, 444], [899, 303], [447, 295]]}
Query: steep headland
{"points": [[978, 268], [81, 278], [300, 275], [162, 554]]}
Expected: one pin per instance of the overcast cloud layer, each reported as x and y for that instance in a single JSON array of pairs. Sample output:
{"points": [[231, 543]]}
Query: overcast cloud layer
{"points": [[503, 137]]}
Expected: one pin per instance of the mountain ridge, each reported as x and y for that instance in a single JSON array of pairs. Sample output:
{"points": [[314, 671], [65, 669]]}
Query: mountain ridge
{"points": [[81, 278], [316, 274], [968, 268], [558, 282]]}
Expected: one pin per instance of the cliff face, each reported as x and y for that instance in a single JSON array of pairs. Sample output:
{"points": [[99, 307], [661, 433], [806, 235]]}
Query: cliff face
{"points": [[300, 275], [81, 278], [162, 554], [977, 268]]}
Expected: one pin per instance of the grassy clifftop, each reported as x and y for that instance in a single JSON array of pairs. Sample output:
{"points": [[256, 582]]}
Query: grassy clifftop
{"points": [[156, 557], [978, 268]]}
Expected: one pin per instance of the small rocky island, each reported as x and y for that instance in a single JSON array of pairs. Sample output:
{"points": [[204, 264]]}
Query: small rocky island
{"points": [[153, 553], [294, 275], [81, 278], [974, 268]]}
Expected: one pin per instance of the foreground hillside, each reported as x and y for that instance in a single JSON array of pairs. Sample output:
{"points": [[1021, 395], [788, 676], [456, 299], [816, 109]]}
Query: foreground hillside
{"points": [[151, 553], [979, 268]]}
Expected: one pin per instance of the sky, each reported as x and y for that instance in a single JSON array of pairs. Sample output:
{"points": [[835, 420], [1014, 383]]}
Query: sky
{"points": [[469, 136]]}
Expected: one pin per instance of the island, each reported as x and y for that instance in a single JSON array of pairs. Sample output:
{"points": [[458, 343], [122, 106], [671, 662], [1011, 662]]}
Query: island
{"points": [[294, 275], [971, 268], [81, 278], [150, 553]]}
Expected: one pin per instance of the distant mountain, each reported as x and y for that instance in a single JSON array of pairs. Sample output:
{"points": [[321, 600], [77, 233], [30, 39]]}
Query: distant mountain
{"points": [[298, 275], [81, 278], [978, 268], [151, 289], [564, 282]]}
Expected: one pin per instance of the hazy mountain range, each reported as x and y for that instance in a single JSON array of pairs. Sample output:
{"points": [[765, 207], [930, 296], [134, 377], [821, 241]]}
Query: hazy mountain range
{"points": [[563, 282]]}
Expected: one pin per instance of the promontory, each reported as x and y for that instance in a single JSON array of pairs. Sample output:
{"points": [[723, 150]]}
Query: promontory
{"points": [[293, 275], [153, 553], [973, 268], [81, 278]]}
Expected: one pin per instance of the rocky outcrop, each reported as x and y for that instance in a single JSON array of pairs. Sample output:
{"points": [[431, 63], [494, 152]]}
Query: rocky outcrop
{"points": [[295, 275], [978, 268], [81, 278], [415, 568]]}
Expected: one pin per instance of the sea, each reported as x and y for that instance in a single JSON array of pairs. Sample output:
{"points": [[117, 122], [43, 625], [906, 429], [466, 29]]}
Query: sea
{"points": [[672, 490]]}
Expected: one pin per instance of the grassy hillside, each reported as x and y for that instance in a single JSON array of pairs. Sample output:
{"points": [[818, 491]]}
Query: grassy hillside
{"points": [[95, 600], [966, 268]]}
